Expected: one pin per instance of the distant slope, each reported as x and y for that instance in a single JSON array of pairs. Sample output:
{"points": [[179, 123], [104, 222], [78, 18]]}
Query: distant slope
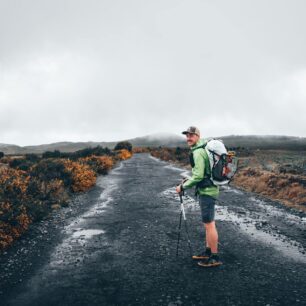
{"points": [[265, 142], [166, 140], [161, 139]]}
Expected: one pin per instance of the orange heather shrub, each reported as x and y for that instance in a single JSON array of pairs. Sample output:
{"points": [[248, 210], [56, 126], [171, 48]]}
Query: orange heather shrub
{"points": [[106, 161], [100, 164], [141, 150], [5, 159], [164, 154], [30, 194], [14, 219], [52, 191], [6, 237], [83, 176], [283, 187], [14, 183], [55, 188], [23, 220], [124, 154]]}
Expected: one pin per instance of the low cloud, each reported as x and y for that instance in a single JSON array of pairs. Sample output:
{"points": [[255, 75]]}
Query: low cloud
{"points": [[107, 71]]}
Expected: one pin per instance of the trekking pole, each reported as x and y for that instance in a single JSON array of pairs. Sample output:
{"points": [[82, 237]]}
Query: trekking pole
{"points": [[185, 221], [182, 214], [179, 234]]}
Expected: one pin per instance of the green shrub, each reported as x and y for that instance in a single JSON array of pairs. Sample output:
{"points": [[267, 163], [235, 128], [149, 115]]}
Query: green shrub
{"points": [[124, 145]]}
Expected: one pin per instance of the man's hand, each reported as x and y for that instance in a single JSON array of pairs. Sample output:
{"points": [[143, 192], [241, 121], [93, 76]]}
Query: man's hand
{"points": [[179, 188], [185, 179]]}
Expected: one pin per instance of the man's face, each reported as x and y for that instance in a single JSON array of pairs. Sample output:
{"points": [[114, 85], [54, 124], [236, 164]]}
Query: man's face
{"points": [[192, 139]]}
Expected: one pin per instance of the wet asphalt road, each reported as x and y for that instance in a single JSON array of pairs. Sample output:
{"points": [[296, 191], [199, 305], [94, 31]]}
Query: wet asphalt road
{"points": [[116, 245]]}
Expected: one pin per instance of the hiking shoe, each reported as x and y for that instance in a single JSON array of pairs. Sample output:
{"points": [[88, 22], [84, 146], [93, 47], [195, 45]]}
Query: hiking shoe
{"points": [[203, 255], [212, 261]]}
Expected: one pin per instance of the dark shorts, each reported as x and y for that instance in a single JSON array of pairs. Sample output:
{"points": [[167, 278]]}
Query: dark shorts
{"points": [[207, 205]]}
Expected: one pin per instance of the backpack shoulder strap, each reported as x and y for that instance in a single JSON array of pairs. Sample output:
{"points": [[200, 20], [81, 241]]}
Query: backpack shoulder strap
{"points": [[207, 172]]}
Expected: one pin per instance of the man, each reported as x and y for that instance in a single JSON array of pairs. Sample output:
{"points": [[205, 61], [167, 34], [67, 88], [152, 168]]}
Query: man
{"points": [[207, 193]]}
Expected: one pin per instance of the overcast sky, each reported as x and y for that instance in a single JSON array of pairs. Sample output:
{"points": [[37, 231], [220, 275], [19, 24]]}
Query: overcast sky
{"points": [[108, 70]]}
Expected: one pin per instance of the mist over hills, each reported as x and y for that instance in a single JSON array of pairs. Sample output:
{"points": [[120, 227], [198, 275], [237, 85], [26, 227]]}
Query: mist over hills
{"points": [[265, 142], [166, 140]]}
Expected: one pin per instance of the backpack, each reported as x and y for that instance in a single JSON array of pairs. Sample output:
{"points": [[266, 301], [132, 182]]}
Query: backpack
{"points": [[220, 164]]}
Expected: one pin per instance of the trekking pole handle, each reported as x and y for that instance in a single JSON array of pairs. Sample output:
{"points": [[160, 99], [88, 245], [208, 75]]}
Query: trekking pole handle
{"points": [[181, 197], [181, 193]]}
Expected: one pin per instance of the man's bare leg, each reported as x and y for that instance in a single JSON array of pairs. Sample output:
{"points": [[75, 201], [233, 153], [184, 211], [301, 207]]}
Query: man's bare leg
{"points": [[212, 241], [211, 236]]}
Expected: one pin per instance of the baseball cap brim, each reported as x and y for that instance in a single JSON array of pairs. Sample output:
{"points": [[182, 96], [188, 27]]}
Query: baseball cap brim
{"points": [[188, 132]]}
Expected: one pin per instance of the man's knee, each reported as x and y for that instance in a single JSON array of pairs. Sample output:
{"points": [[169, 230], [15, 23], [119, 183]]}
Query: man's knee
{"points": [[209, 224], [208, 216]]}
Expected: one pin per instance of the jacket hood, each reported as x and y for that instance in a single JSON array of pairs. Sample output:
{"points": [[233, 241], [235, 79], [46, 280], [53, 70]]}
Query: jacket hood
{"points": [[200, 143]]}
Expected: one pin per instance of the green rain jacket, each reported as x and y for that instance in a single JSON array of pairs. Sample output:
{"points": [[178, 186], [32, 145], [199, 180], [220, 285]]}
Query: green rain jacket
{"points": [[200, 162]]}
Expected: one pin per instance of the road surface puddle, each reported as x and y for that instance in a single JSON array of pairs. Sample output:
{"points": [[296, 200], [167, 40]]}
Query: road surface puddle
{"points": [[253, 228], [156, 159], [97, 209], [184, 173], [232, 190], [87, 233], [274, 211], [78, 235]]}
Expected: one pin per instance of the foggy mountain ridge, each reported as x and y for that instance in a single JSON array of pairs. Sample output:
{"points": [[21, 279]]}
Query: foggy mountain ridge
{"points": [[157, 139], [167, 140]]}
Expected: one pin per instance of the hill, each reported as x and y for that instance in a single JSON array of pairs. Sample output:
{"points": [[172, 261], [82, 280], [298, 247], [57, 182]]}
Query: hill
{"points": [[166, 140], [160, 139], [265, 142]]}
